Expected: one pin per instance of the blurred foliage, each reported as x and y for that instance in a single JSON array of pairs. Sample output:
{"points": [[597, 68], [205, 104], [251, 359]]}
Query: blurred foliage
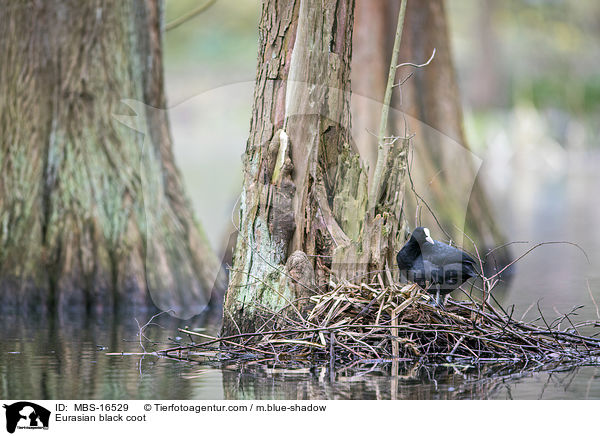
{"points": [[545, 52], [223, 37], [563, 91]]}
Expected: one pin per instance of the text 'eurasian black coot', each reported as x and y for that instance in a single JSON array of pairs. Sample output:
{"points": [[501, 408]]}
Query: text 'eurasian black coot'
{"points": [[436, 267]]}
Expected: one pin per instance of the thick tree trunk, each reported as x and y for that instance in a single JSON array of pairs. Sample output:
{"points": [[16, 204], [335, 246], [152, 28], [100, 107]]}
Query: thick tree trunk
{"points": [[443, 170], [304, 200], [372, 42], [92, 212]]}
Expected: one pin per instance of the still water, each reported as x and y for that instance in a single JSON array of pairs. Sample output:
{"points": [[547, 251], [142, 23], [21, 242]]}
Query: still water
{"points": [[44, 358], [68, 360]]}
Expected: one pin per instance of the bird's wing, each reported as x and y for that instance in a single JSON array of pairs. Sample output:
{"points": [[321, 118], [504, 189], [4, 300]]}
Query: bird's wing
{"points": [[443, 254], [422, 271]]}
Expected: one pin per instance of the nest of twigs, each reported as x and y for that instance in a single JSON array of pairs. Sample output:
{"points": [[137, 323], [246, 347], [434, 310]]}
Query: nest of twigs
{"points": [[372, 323]]}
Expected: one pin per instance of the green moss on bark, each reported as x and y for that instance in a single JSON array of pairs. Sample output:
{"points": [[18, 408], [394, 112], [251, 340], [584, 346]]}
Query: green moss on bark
{"points": [[92, 212]]}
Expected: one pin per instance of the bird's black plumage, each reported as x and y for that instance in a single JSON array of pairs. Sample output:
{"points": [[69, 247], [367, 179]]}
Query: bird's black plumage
{"points": [[437, 267]]}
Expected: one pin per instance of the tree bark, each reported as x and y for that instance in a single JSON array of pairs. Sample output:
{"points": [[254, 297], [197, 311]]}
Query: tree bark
{"points": [[92, 212], [304, 201]]}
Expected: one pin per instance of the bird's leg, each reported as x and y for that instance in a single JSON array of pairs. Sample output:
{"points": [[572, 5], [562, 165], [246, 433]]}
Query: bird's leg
{"points": [[439, 300]]}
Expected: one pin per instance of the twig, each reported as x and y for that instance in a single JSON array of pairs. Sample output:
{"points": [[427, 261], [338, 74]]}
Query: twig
{"points": [[180, 20], [536, 246], [587, 282], [149, 323], [418, 65], [383, 149], [402, 326]]}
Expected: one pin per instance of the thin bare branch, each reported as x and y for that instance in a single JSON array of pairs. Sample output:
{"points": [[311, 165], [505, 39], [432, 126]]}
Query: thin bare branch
{"points": [[188, 16]]}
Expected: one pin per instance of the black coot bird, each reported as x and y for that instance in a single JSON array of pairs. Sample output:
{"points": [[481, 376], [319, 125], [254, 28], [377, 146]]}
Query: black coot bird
{"points": [[436, 267]]}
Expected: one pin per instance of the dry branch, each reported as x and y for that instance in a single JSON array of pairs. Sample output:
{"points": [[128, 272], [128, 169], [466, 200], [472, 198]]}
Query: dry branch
{"points": [[352, 325]]}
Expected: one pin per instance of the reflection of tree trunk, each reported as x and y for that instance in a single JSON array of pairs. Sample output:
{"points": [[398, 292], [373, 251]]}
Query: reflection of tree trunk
{"points": [[92, 213], [305, 190], [442, 170], [61, 343]]}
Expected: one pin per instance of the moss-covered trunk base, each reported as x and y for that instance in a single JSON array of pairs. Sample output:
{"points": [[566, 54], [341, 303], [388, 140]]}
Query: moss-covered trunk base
{"points": [[93, 216]]}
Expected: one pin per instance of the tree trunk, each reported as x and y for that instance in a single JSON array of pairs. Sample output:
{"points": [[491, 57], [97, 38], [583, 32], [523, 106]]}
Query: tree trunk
{"points": [[443, 169], [444, 162], [304, 200], [92, 212], [372, 42]]}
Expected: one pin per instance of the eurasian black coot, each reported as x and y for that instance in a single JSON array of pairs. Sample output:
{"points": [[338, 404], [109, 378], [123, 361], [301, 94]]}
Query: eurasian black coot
{"points": [[436, 267]]}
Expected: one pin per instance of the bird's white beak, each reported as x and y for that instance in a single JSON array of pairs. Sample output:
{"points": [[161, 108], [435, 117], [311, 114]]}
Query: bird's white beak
{"points": [[428, 237]]}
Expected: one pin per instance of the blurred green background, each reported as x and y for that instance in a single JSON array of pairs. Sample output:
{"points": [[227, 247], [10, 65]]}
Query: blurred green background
{"points": [[210, 65]]}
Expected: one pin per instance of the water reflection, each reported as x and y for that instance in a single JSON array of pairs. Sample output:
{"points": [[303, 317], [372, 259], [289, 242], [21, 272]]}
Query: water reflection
{"points": [[440, 383], [47, 358], [52, 358]]}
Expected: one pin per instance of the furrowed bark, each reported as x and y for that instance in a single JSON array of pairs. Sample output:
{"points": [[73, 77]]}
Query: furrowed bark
{"points": [[304, 199], [92, 212]]}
